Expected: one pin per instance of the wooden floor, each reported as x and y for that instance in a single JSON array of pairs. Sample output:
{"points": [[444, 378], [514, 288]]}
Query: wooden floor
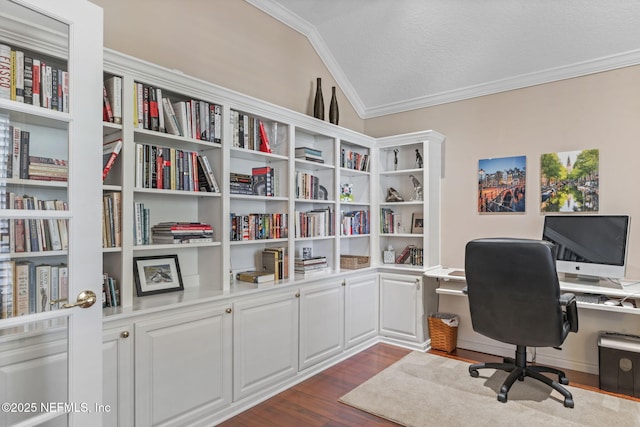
{"points": [[314, 402]]}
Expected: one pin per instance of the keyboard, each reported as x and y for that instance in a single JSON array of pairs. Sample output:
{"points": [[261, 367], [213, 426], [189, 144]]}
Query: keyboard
{"points": [[591, 298]]}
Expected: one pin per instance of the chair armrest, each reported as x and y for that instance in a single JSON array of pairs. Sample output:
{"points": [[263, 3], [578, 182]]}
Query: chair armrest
{"points": [[568, 301]]}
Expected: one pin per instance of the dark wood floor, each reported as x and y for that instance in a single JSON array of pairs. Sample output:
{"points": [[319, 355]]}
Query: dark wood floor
{"points": [[314, 402]]}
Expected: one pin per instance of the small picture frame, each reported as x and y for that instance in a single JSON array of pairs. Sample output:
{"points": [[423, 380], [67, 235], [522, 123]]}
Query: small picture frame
{"points": [[417, 223], [157, 274]]}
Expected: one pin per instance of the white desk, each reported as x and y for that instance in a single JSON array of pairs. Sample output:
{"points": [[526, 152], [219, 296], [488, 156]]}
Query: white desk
{"points": [[580, 350]]}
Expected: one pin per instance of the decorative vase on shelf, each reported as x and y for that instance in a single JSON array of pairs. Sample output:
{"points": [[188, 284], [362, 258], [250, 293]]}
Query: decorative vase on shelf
{"points": [[334, 112], [318, 104]]}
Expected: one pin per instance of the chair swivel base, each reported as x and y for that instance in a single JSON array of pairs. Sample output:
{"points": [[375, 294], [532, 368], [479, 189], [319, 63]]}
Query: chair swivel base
{"points": [[518, 370]]}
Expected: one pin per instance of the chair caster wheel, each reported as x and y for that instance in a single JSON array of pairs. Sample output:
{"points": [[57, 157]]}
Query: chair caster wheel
{"points": [[568, 403], [502, 397], [474, 373], [564, 380]]}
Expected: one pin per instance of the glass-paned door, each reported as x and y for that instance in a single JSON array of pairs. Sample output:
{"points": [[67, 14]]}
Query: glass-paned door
{"points": [[50, 213]]}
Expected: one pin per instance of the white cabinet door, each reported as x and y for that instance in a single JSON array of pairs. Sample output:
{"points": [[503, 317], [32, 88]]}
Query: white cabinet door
{"points": [[401, 310], [182, 366], [361, 309], [321, 323], [117, 377], [265, 342]]}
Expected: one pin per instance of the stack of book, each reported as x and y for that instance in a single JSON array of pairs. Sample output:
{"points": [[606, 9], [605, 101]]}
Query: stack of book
{"points": [[47, 169], [310, 154], [306, 267], [240, 183], [181, 232]]}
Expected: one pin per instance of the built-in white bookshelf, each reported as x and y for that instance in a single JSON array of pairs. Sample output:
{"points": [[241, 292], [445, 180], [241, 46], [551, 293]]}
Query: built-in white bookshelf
{"points": [[311, 162], [408, 194]]}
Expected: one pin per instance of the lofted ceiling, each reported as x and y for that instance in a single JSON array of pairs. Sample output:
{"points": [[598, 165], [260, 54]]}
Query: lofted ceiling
{"points": [[390, 56]]}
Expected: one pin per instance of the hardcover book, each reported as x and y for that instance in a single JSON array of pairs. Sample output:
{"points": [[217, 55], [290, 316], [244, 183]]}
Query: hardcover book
{"points": [[110, 151], [253, 276]]}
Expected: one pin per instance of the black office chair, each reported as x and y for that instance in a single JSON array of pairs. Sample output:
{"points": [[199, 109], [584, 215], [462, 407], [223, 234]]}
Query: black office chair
{"points": [[514, 297]]}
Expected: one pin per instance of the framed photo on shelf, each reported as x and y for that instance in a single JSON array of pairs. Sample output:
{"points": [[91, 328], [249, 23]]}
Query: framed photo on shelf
{"points": [[417, 223], [157, 274]]}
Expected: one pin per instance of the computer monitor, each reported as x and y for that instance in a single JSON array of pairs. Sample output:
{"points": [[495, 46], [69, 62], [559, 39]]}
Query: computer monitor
{"points": [[590, 246]]}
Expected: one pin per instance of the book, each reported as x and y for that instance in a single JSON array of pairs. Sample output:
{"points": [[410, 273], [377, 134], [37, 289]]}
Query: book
{"points": [[265, 146], [253, 276], [21, 289], [110, 151], [5, 71], [43, 285], [208, 172]]}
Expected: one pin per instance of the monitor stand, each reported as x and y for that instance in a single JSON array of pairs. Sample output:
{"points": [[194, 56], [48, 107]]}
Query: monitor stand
{"points": [[600, 281]]}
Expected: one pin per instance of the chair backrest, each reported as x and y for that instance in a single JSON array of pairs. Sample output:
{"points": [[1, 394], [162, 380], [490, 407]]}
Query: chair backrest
{"points": [[514, 292]]}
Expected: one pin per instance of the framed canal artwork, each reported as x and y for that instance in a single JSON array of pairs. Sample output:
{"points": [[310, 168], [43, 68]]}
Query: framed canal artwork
{"points": [[569, 181], [502, 184]]}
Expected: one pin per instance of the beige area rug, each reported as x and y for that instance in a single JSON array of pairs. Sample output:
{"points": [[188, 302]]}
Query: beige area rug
{"points": [[428, 390]]}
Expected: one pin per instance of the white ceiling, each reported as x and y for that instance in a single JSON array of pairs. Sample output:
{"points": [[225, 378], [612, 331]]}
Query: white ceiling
{"points": [[391, 56]]}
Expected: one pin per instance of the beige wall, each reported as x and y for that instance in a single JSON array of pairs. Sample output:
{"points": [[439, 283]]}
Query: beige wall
{"points": [[598, 111], [235, 45], [227, 42]]}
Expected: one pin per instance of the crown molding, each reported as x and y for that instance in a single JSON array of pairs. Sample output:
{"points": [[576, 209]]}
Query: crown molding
{"points": [[302, 26], [517, 82], [579, 69]]}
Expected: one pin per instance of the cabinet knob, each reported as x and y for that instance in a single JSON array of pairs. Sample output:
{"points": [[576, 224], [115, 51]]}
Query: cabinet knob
{"points": [[298, 295], [344, 283], [228, 310], [124, 334]]}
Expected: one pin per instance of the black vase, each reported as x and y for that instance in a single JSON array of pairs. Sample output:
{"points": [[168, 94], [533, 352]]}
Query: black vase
{"points": [[318, 104], [334, 112]]}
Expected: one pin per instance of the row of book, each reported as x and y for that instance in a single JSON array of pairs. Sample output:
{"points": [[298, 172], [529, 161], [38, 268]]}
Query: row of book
{"points": [[263, 181], [181, 232], [308, 187], [314, 223], [354, 160], [355, 222], [306, 267], [112, 100], [33, 80], [19, 163], [412, 255], [309, 154], [110, 291], [259, 226], [388, 220], [276, 260], [250, 133], [190, 118], [34, 234], [112, 219], [173, 169], [275, 266], [27, 288], [141, 224]]}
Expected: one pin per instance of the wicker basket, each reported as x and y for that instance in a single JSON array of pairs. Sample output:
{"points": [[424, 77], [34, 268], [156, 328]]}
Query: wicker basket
{"points": [[353, 262], [443, 336]]}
